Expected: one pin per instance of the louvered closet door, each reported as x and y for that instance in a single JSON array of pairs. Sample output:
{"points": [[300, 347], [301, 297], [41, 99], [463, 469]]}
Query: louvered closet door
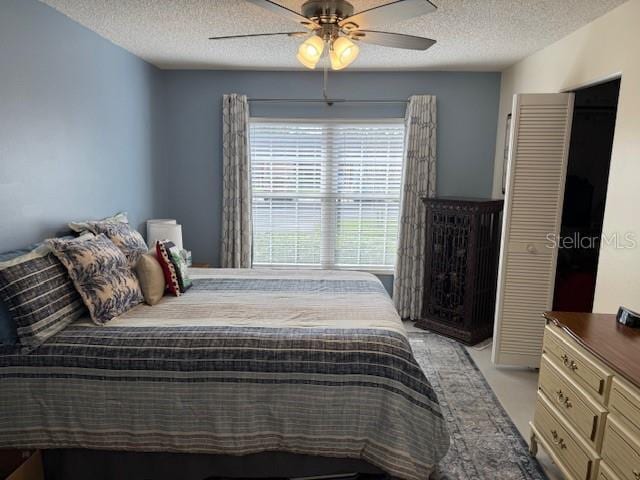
{"points": [[539, 143]]}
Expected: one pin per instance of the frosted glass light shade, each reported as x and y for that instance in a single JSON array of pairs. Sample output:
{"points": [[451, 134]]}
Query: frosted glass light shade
{"points": [[164, 231], [343, 53], [310, 52]]}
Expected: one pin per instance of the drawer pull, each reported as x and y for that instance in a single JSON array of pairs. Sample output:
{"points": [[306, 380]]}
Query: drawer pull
{"points": [[559, 440], [564, 400], [569, 364]]}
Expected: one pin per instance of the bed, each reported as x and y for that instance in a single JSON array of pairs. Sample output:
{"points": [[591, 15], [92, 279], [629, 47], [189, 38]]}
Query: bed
{"points": [[247, 361]]}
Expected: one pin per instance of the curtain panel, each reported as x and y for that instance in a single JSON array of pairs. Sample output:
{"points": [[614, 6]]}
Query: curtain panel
{"points": [[418, 180], [236, 250]]}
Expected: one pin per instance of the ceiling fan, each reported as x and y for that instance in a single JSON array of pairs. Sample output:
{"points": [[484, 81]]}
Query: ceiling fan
{"points": [[332, 24]]}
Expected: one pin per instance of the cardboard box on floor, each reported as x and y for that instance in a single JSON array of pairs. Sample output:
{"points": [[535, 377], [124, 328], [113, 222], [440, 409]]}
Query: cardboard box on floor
{"points": [[14, 464]]}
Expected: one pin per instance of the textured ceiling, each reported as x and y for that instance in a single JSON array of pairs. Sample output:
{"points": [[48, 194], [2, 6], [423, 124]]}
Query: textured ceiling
{"points": [[480, 35]]}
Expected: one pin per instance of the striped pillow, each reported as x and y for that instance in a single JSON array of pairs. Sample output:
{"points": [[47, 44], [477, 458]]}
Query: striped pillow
{"points": [[39, 295]]}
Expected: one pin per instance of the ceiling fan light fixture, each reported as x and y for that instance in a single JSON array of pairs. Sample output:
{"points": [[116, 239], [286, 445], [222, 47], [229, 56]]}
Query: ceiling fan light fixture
{"points": [[343, 53], [335, 62], [333, 25], [310, 51]]}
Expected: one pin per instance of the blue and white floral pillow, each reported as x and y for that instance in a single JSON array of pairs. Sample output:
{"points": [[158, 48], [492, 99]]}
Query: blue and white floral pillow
{"points": [[101, 274], [81, 227], [124, 237]]}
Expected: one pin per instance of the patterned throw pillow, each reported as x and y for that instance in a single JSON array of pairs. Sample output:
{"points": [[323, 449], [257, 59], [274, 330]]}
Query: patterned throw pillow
{"points": [[124, 237], [181, 268], [83, 226], [39, 295], [101, 274], [175, 269]]}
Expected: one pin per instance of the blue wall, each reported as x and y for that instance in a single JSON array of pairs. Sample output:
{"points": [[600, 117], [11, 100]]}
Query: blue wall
{"points": [[467, 120], [87, 129], [79, 126]]}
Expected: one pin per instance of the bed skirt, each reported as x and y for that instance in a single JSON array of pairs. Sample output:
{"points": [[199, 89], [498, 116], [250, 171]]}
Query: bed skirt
{"points": [[78, 464]]}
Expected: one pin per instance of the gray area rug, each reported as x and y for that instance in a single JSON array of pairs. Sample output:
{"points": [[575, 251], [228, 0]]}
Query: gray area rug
{"points": [[485, 444]]}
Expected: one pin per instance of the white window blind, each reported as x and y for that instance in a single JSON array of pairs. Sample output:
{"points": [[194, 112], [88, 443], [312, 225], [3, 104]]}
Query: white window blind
{"points": [[326, 194]]}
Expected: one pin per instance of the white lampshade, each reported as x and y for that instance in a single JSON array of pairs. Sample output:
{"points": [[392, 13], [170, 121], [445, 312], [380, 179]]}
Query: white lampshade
{"points": [[310, 51], [343, 53], [157, 220], [164, 231], [162, 220]]}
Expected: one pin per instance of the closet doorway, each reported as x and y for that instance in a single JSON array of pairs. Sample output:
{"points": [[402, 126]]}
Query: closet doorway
{"points": [[594, 119]]}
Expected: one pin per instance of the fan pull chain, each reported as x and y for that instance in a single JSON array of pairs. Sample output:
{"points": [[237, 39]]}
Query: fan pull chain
{"points": [[325, 78]]}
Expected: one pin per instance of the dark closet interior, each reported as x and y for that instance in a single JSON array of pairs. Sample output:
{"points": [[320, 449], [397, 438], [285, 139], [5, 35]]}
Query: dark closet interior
{"points": [[585, 195]]}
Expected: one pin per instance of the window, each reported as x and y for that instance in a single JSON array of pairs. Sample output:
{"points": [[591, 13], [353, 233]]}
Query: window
{"points": [[326, 194]]}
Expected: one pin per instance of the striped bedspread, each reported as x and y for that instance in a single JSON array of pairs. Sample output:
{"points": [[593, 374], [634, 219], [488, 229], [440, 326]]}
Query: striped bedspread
{"points": [[246, 361]]}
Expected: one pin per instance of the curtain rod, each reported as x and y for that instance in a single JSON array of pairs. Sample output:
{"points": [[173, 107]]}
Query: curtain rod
{"points": [[328, 101]]}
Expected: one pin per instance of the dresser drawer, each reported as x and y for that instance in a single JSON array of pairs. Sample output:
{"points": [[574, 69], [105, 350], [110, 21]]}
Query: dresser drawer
{"points": [[605, 473], [621, 451], [624, 403], [575, 455], [581, 368], [572, 402]]}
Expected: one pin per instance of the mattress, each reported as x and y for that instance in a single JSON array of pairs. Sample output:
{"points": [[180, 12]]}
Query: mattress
{"points": [[308, 362]]}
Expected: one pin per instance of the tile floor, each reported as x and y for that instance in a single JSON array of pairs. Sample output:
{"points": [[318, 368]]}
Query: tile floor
{"points": [[516, 390]]}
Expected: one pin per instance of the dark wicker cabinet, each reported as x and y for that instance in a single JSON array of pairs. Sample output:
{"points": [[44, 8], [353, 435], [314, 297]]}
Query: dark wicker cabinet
{"points": [[461, 267]]}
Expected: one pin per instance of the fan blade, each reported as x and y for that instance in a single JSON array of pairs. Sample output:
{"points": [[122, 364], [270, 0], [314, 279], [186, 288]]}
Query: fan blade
{"points": [[287, 12], [388, 13], [395, 40], [290, 34]]}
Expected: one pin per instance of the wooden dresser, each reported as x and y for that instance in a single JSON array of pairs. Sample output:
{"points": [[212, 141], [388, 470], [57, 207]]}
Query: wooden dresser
{"points": [[587, 414]]}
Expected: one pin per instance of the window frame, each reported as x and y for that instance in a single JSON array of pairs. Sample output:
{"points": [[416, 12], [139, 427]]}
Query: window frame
{"points": [[377, 270]]}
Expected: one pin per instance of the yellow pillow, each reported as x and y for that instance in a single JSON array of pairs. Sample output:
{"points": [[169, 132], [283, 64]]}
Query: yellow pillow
{"points": [[151, 278]]}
